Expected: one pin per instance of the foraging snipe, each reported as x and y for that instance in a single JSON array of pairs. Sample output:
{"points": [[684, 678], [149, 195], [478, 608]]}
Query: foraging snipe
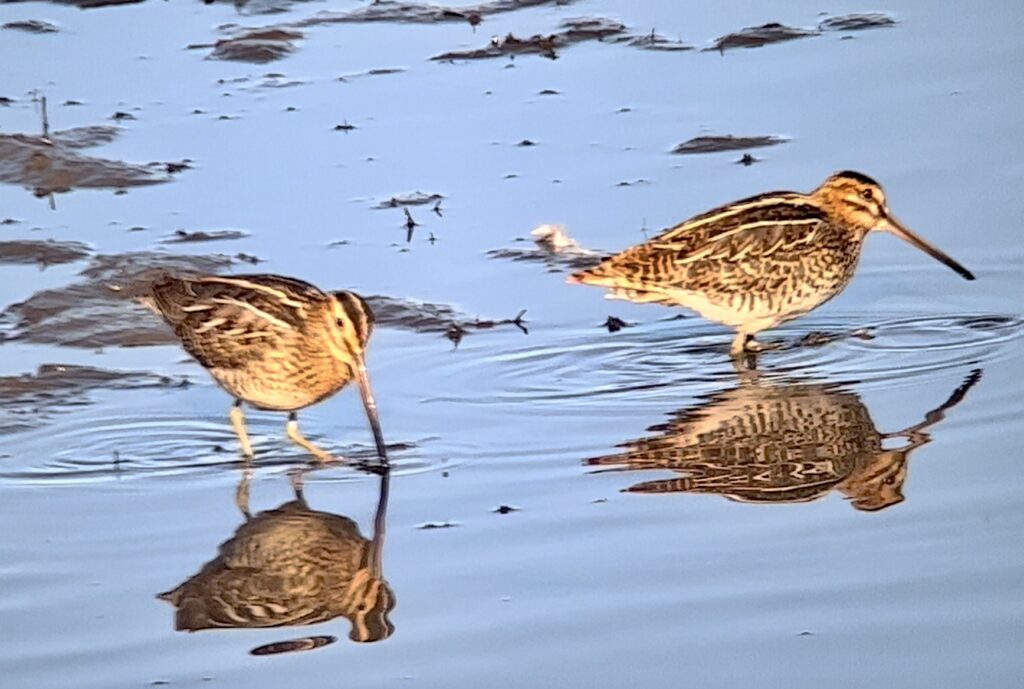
{"points": [[274, 342], [780, 443], [292, 566], [760, 261]]}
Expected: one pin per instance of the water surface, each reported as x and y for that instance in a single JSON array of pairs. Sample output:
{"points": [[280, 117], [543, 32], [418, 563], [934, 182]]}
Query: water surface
{"points": [[880, 543]]}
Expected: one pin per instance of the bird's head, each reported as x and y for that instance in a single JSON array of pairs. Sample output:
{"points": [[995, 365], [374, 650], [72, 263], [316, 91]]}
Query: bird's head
{"points": [[860, 202], [879, 484], [350, 324]]}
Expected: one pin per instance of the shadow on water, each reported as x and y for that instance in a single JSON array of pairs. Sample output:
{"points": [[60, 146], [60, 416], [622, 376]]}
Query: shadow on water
{"points": [[780, 442], [289, 567]]}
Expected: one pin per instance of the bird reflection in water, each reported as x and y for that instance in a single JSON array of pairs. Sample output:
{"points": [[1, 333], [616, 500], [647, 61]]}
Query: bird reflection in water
{"points": [[292, 566], [780, 443]]}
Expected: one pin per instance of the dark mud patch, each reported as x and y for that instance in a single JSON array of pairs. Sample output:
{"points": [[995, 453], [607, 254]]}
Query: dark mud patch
{"points": [[92, 4], [256, 46], [572, 31], [757, 36], [430, 526], [42, 252], [424, 13], [31, 26], [413, 198], [85, 137], [48, 165], [717, 144], [426, 317], [255, 7], [653, 41], [99, 310], [31, 399], [186, 237], [276, 42], [380, 71], [857, 22], [552, 246]]}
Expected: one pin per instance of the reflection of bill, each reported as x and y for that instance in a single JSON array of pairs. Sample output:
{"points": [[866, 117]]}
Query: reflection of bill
{"points": [[780, 443], [292, 566]]}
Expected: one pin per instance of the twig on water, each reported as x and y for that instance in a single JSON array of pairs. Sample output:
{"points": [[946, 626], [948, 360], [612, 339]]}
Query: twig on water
{"points": [[410, 225]]}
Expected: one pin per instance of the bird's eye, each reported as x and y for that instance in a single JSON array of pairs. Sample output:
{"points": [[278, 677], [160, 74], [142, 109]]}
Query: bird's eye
{"points": [[340, 323], [867, 194]]}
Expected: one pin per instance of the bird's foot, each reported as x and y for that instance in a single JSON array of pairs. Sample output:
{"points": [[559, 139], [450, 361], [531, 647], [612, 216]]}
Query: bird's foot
{"points": [[753, 346], [377, 466]]}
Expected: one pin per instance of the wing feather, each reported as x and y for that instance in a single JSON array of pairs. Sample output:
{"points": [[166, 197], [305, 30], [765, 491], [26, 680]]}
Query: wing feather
{"points": [[720, 242], [214, 314]]}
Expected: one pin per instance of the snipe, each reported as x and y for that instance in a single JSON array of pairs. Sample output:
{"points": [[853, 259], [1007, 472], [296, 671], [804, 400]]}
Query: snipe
{"points": [[273, 342], [292, 566], [760, 261], [776, 442]]}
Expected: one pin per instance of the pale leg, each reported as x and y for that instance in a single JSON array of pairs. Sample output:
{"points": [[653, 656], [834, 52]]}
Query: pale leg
{"points": [[739, 344], [238, 423], [296, 435]]}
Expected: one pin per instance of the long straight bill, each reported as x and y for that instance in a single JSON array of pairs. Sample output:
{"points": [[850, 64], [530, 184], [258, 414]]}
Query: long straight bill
{"points": [[371, 408], [903, 232]]}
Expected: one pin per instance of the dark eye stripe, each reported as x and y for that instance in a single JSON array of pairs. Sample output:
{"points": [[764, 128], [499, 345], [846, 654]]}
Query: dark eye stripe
{"points": [[358, 313]]}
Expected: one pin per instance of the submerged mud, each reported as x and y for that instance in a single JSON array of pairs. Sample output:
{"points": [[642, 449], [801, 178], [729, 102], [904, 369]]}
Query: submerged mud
{"points": [[43, 253], [52, 164], [717, 144], [774, 32], [257, 46], [757, 36], [426, 317], [31, 399], [101, 309], [31, 26], [187, 237], [857, 22], [270, 43], [572, 31], [424, 13], [413, 198]]}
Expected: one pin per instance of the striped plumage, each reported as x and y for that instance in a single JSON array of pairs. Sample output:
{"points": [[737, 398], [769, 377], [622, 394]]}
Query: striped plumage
{"points": [[273, 342], [779, 444], [292, 566], [760, 261]]}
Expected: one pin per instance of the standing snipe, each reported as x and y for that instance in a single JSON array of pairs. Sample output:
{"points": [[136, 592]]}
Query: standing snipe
{"points": [[760, 261], [274, 342]]}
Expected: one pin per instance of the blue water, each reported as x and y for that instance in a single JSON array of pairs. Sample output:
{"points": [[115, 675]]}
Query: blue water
{"points": [[126, 493]]}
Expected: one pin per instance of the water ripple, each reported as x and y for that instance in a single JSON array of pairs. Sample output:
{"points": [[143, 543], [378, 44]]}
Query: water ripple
{"points": [[121, 446], [585, 367]]}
